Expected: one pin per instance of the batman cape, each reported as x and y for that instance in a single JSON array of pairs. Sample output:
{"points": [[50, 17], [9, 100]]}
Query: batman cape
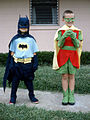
{"points": [[8, 75]]}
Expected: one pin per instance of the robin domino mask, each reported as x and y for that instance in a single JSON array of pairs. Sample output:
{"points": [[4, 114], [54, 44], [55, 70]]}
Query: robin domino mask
{"points": [[69, 19]]}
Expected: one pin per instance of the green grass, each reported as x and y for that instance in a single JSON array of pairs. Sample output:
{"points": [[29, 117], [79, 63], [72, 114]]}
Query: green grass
{"points": [[49, 80], [83, 80], [10, 112]]}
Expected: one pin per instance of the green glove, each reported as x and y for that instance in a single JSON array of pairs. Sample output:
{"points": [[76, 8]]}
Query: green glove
{"points": [[74, 40], [61, 38], [72, 35], [61, 42], [66, 34]]}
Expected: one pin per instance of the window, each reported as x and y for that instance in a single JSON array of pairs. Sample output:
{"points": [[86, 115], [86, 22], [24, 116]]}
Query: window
{"points": [[44, 11]]}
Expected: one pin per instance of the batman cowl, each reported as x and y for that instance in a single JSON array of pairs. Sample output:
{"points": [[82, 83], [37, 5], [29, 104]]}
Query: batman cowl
{"points": [[23, 23]]}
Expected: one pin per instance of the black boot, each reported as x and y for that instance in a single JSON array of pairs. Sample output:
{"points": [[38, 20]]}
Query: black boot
{"points": [[33, 99], [29, 85], [15, 84]]}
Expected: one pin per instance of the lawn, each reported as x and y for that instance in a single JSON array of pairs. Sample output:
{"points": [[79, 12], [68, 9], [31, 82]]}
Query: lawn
{"points": [[47, 79], [23, 113]]}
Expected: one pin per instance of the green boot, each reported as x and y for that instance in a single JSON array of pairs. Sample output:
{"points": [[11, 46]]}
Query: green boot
{"points": [[65, 97], [71, 97]]}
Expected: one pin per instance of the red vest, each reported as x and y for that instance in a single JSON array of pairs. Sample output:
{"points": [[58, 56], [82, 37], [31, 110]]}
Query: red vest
{"points": [[64, 55]]}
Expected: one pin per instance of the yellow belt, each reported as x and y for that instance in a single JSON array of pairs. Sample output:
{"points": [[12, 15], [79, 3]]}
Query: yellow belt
{"points": [[25, 60]]}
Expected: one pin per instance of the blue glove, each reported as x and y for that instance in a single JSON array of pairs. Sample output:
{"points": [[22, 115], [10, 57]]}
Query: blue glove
{"points": [[11, 65], [35, 63]]}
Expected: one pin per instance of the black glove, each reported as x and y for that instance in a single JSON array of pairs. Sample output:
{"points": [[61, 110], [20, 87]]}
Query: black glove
{"points": [[35, 63], [11, 66]]}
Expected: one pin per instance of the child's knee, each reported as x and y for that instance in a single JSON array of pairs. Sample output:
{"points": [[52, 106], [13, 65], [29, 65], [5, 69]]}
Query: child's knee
{"points": [[65, 76]]}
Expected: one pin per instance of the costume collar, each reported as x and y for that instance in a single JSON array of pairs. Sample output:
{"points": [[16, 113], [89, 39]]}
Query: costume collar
{"points": [[65, 27]]}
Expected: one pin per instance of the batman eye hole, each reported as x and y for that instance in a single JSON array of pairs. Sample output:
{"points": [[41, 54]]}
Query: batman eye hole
{"points": [[20, 25], [25, 25]]}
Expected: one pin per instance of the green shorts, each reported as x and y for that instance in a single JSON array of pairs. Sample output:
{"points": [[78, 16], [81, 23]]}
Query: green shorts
{"points": [[67, 68]]}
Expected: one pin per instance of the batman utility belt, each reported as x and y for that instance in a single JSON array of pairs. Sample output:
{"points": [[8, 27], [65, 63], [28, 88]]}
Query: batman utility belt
{"points": [[25, 60]]}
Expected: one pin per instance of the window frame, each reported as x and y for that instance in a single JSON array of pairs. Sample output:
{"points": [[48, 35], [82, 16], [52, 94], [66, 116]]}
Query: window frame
{"points": [[33, 24]]}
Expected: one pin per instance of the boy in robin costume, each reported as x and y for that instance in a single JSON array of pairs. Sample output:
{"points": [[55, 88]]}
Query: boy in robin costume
{"points": [[68, 46], [22, 61]]}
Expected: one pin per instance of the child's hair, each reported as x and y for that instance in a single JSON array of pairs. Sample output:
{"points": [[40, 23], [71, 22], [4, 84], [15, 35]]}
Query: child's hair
{"points": [[67, 12]]}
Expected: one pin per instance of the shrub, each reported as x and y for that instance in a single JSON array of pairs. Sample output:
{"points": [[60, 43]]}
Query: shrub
{"points": [[3, 58], [46, 58], [85, 58]]}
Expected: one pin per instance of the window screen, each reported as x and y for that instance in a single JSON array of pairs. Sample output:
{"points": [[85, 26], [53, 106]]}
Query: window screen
{"points": [[44, 11]]}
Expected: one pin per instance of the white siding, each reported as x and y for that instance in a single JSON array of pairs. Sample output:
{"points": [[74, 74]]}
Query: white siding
{"points": [[81, 9], [9, 14]]}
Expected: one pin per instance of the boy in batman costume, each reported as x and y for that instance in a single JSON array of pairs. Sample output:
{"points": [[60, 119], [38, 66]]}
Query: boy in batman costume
{"points": [[22, 61]]}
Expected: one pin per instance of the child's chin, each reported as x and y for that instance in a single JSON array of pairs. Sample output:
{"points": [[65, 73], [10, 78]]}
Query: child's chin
{"points": [[69, 25]]}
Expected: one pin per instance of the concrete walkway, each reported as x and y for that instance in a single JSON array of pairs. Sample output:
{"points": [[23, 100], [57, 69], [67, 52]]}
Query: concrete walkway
{"points": [[48, 100]]}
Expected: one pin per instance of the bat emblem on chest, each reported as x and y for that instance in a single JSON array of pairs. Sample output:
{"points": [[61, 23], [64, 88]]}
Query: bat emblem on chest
{"points": [[23, 46]]}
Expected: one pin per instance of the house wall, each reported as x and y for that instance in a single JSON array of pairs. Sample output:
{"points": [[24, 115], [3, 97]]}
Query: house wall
{"points": [[81, 9], [9, 14]]}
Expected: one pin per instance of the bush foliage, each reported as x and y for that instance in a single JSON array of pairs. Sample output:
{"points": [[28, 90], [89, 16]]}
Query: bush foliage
{"points": [[46, 58]]}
